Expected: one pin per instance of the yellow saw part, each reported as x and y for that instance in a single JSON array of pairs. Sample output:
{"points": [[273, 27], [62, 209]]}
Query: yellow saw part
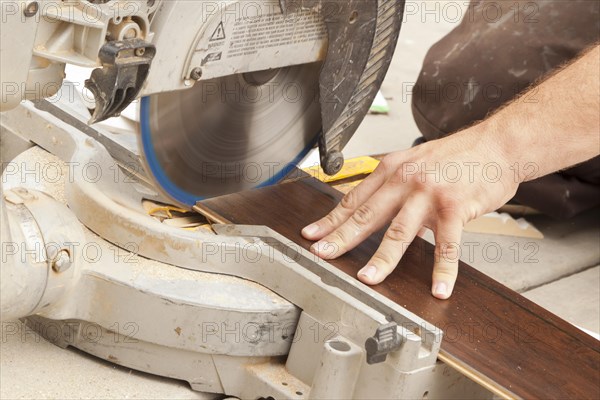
{"points": [[352, 168]]}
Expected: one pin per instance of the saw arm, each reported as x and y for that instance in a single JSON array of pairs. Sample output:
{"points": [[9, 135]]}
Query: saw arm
{"points": [[228, 90]]}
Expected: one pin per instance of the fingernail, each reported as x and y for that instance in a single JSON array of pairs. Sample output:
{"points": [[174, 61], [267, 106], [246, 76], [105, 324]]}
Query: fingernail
{"points": [[319, 247], [440, 289], [310, 230], [368, 272]]}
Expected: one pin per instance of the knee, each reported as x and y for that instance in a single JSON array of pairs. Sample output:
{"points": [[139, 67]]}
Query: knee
{"points": [[423, 110], [433, 109]]}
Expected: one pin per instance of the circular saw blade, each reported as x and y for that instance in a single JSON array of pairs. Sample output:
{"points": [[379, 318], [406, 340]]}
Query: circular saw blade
{"points": [[230, 134]]}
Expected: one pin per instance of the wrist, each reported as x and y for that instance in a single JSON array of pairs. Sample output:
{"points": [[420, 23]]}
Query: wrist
{"points": [[504, 145]]}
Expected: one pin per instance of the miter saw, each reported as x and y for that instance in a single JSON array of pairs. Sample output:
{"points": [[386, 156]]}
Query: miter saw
{"points": [[231, 95]]}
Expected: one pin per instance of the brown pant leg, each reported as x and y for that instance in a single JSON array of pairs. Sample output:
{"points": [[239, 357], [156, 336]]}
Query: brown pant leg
{"points": [[499, 50]]}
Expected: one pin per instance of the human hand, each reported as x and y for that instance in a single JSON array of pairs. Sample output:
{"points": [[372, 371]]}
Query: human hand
{"points": [[439, 185]]}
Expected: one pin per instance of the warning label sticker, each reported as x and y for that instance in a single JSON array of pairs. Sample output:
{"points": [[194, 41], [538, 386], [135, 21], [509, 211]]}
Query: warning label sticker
{"points": [[235, 42], [219, 33], [272, 30]]}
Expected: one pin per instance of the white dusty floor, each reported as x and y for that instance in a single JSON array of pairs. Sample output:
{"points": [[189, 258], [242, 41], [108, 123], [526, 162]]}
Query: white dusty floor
{"points": [[562, 275]]}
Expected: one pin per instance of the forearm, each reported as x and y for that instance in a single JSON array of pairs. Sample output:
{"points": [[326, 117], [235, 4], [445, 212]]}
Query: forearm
{"points": [[553, 126]]}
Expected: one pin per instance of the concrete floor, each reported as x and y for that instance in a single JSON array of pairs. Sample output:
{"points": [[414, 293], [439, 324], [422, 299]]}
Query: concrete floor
{"points": [[562, 275]]}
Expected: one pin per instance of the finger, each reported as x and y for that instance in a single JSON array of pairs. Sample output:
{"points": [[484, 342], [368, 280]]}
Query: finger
{"points": [[400, 234], [344, 210], [368, 218], [447, 254]]}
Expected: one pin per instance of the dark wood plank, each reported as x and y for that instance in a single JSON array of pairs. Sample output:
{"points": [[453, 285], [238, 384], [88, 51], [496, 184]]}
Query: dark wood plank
{"points": [[510, 341]]}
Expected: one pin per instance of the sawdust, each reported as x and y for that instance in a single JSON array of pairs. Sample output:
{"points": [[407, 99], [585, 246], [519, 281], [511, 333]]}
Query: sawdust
{"points": [[37, 169]]}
